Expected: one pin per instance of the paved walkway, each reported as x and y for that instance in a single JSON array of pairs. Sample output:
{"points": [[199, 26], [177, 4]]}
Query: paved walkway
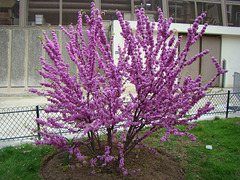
{"points": [[17, 101]]}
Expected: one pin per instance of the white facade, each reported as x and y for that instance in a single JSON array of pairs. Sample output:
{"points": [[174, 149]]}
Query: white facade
{"points": [[231, 53], [230, 45]]}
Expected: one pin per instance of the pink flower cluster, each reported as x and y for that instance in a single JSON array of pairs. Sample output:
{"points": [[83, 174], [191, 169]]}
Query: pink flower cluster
{"points": [[91, 101]]}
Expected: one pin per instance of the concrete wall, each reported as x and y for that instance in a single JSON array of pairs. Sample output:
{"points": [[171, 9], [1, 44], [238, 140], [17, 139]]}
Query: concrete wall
{"points": [[20, 50], [18, 57], [34, 52], [4, 54], [229, 45]]}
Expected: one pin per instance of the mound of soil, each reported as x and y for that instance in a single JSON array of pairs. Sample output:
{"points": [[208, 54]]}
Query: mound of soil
{"points": [[153, 167]]}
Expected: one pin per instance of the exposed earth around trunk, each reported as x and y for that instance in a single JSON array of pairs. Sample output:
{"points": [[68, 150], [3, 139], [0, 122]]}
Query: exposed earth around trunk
{"points": [[153, 167]]}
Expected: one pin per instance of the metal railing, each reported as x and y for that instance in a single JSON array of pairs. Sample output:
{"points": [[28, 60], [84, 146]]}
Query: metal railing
{"points": [[223, 103], [18, 122]]}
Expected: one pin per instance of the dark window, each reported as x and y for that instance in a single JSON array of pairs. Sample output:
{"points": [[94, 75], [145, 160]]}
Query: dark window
{"points": [[43, 12], [9, 12], [213, 11], [233, 14], [182, 11]]}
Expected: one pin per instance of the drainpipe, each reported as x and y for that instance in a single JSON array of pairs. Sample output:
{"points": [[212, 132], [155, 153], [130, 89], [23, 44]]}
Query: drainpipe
{"points": [[224, 75]]}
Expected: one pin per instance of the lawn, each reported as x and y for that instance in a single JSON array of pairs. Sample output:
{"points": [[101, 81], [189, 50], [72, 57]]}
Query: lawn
{"points": [[222, 162], [22, 162]]}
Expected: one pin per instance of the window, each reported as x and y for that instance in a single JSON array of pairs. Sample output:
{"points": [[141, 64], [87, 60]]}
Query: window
{"points": [[213, 11], [233, 15], [9, 12], [55, 12], [110, 8], [43, 12], [70, 9], [182, 11]]}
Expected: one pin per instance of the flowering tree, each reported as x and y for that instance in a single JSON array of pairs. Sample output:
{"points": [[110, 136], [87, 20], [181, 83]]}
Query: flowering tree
{"points": [[91, 101]]}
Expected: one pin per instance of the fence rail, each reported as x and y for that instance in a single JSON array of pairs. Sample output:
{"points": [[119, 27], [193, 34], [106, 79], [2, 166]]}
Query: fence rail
{"points": [[18, 122]]}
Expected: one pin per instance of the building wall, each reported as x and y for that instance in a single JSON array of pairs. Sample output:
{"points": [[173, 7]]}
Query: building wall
{"points": [[229, 47], [231, 53], [20, 50]]}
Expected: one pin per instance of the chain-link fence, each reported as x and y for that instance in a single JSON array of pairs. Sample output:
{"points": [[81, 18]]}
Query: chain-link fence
{"points": [[223, 103], [18, 122], [14, 122]]}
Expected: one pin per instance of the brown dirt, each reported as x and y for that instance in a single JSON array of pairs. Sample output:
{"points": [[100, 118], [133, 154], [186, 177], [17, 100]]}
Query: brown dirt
{"points": [[238, 122], [153, 167]]}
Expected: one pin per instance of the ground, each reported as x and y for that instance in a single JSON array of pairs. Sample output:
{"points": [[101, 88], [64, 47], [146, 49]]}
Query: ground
{"points": [[153, 167]]}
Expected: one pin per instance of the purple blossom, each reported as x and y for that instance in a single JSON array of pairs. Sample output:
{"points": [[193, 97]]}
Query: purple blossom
{"points": [[40, 121], [92, 101]]}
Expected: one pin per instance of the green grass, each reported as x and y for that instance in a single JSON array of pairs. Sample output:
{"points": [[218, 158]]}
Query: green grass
{"points": [[22, 162], [222, 162]]}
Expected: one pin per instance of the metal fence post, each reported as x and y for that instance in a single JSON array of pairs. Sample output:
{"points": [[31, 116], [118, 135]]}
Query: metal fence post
{"points": [[38, 125], [228, 97]]}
